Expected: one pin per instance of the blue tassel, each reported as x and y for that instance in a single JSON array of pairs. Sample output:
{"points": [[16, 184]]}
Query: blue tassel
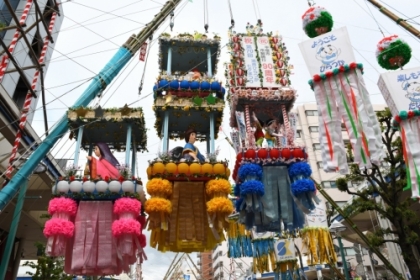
{"points": [[300, 169], [251, 170], [298, 216]]}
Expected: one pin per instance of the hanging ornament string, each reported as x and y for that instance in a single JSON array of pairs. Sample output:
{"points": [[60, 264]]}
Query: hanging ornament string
{"points": [[377, 23], [232, 21], [145, 64], [256, 10], [311, 3], [206, 16]]}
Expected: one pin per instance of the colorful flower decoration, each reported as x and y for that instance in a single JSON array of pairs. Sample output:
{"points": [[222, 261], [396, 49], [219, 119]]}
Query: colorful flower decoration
{"points": [[393, 53], [317, 21], [219, 207], [303, 188]]}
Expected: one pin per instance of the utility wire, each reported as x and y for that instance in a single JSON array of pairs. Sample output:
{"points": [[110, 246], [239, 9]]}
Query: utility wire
{"points": [[379, 27]]}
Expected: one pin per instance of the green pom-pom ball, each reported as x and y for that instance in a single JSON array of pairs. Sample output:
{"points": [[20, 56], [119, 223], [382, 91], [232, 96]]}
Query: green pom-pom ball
{"points": [[317, 21], [392, 53]]}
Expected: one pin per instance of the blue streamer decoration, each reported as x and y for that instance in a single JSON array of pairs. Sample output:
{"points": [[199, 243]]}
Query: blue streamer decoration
{"points": [[250, 170], [252, 187], [300, 169], [237, 189], [302, 186]]}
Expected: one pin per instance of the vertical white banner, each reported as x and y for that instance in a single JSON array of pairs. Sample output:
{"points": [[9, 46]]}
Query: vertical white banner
{"points": [[251, 63], [293, 124], [234, 135], [266, 58], [240, 119], [401, 89], [328, 51]]}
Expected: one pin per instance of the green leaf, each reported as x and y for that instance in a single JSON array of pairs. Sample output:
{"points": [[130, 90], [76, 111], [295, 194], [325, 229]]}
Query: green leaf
{"points": [[211, 99], [197, 101]]}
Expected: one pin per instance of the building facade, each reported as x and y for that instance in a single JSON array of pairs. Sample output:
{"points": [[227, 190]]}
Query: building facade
{"points": [[27, 46]]}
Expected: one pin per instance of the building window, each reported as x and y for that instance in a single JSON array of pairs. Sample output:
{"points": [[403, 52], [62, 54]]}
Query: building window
{"points": [[5, 16], [36, 47], [317, 146], [298, 134], [329, 184], [314, 128], [311, 113], [349, 251], [19, 95]]}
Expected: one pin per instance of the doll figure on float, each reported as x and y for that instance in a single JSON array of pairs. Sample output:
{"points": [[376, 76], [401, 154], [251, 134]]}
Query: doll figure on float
{"points": [[259, 133], [190, 151], [104, 164], [270, 133]]}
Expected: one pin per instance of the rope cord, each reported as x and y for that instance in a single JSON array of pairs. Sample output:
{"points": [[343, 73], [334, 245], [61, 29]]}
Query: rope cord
{"points": [[232, 21], [377, 23]]}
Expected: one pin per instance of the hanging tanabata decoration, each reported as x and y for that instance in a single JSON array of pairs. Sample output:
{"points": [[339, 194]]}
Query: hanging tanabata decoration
{"points": [[239, 240], [317, 21], [286, 261], [342, 96], [393, 53], [401, 91]]}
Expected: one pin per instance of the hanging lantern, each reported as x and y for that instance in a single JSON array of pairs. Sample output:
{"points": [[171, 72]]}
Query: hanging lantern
{"points": [[317, 21], [393, 53], [250, 154], [285, 153], [274, 153], [298, 153], [262, 153], [195, 168]]}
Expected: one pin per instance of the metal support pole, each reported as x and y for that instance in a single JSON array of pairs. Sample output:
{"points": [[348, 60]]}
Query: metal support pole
{"points": [[343, 257], [12, 232], [169, 65], [133, 158], [212, 149], [209, 70], [38, 10], [165, 131], [396, 18], [208, 142], [78, 144], [128, 145], [18, 257]]}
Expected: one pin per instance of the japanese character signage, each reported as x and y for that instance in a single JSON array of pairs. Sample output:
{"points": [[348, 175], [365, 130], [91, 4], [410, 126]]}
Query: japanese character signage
{"points": [[285, 250], [143, 50], [266, 59], [234, 136], [251, 62], [401, 89], [328, 51], [293, 123], [317, 217]]}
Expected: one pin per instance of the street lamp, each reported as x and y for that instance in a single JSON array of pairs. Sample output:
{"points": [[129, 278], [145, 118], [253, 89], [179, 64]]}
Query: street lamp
{"points": [[336, 228]]}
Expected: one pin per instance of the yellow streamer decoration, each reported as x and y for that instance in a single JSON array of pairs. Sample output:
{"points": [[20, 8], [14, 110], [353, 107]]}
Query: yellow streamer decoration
{"points": [[319, 245]]}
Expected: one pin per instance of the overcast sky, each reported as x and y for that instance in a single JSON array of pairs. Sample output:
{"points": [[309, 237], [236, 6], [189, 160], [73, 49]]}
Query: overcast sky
{"points": [[93, 30]]}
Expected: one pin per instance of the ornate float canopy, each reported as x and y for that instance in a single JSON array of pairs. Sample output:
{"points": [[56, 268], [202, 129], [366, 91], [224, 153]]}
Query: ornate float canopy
{"points": [[109, 126], [190, 48]]}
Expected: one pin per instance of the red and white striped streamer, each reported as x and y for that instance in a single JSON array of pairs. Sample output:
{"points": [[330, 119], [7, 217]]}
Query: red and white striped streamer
{"points": [[28, 100], [250, 135], [5, 58], [289, 132]]}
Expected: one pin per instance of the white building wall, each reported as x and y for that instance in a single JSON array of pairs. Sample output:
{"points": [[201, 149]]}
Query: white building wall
{"points": [[21, 52]]}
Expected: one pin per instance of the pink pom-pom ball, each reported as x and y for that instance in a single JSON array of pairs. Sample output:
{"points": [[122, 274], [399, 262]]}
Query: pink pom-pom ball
{"points": [[126, 226], [62, 205], [57, 226], [127, 205]]}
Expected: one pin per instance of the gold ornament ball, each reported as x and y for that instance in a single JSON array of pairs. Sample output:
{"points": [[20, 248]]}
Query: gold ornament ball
{"points": [[158, 168], [227, 172], [207, 168], [219, 169], [183, 168], [149, 172], [171, 168], [195, 168]]}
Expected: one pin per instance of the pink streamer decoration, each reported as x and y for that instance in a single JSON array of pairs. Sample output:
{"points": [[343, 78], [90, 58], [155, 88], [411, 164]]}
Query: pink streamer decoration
{"points": [[57, 226]]}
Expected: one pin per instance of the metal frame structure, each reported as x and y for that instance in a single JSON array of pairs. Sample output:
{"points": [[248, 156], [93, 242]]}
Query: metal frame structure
{"points": [[21, 32]]}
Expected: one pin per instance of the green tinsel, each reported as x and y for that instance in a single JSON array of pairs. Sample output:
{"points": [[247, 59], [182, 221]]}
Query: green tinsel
{"points": [[397, 48], [325, 20]]}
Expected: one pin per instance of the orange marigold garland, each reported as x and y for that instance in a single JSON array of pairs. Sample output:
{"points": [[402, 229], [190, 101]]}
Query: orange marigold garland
{"points": [[219, 207], [159, 206]]}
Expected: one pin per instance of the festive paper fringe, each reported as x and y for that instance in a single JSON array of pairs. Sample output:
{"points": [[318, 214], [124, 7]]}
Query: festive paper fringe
{"points": [[239, 241], [264, 258], [319, 245]]}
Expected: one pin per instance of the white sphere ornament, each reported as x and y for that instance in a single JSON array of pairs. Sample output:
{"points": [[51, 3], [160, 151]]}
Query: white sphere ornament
{"points": [[101, 186], [88, 186], [62, 187], [128, 186], [140, 191], [76, 186], [114, 186]]}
